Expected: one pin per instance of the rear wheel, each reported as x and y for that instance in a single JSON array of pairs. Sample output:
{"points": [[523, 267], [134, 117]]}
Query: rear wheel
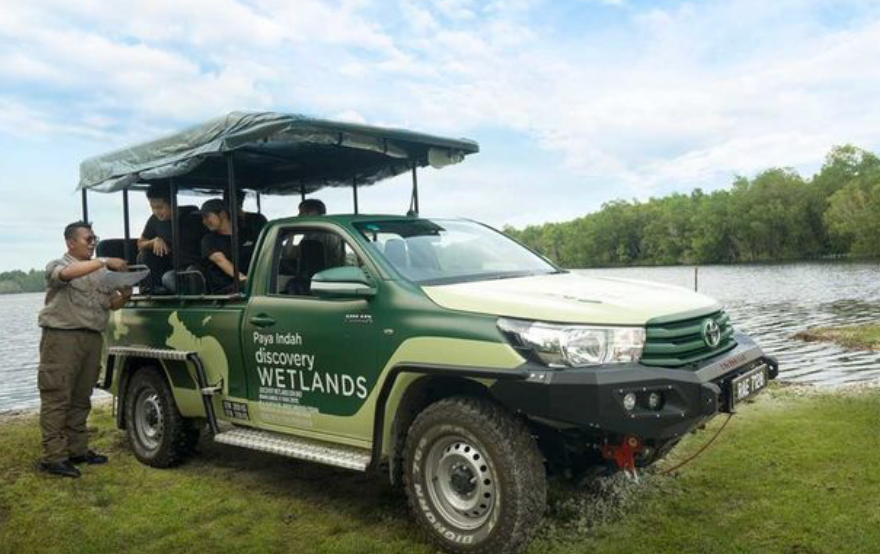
{"points": [[158, 434], [474, 477]]}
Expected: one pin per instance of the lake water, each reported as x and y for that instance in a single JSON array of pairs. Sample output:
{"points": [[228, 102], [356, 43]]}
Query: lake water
{"points": [[770, 302], [19, 350]]}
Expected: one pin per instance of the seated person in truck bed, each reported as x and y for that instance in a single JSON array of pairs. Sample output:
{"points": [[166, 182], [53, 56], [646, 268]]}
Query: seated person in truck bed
{"points": [[217, 248], [155, 242], [249, 223], [333, 247]]}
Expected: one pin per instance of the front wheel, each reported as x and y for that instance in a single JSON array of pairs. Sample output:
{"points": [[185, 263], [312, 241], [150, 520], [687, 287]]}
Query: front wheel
{"points": [[158, 434], [474, 477]]}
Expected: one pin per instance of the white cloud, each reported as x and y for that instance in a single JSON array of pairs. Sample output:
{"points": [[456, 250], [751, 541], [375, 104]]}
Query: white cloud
{"points": [[455, 9], [417, 16], [675, 110], [644, 103], [349, 116], [24, 121], [179, 59], [617, 3]]}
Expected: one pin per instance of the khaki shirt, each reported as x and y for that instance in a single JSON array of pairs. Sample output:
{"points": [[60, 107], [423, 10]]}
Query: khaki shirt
{"points": [[82, 303]]}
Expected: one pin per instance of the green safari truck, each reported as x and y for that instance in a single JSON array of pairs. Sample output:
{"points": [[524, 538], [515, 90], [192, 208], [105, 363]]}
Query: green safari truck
{"points": [[437, 351]]}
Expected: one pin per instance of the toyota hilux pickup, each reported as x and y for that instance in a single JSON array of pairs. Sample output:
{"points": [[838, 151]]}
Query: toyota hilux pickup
{"points": [[438, 351]]}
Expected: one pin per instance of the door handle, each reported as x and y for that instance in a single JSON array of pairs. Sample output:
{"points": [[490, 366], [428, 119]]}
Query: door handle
{"points": [[262, 320]]}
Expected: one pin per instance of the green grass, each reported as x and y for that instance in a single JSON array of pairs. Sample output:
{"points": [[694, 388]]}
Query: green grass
{"points": [[862, 337], [792, 473]]}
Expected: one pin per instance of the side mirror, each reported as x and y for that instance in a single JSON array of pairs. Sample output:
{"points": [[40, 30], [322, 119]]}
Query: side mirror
{"points": [[342, 282]]}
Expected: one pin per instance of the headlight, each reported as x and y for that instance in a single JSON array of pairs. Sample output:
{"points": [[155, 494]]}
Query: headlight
{"points": [[575, 345]]}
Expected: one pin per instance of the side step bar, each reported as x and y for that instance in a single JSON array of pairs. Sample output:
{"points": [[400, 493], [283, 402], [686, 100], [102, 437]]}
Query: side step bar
{"points": [[347, 457]]}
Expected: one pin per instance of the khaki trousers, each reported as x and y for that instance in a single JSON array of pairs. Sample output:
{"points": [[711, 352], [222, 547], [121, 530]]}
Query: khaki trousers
{"points": [[69, 366]]}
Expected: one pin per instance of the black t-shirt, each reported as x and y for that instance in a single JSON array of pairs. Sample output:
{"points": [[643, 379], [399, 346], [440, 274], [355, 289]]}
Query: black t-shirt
{"points": [[191, 233], [218, 280], [251, 225]]}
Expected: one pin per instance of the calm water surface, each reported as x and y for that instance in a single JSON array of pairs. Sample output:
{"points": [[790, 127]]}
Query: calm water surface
{"points": [[19, 350], [770, 302], [773, 302]]}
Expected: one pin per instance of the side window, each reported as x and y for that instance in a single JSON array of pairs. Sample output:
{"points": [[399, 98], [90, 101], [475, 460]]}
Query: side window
{"points": [[306, 252]]}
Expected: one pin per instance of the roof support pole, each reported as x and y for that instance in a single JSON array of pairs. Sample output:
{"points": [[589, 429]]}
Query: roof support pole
{"points": [[175, 235], [126, 225], [354, 188], [415, 189], [233, 215], [85, 206]]}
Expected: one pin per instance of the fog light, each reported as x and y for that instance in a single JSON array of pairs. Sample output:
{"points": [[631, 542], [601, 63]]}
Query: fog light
{"points": [[629, 401], [655, 400]]}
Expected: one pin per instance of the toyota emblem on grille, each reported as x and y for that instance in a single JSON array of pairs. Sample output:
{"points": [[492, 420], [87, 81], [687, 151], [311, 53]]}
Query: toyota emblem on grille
{"points": [[711, 333]]}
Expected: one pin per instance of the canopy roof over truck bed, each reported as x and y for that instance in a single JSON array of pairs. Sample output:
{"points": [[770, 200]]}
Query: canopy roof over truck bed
{"points": [[273, 153]]}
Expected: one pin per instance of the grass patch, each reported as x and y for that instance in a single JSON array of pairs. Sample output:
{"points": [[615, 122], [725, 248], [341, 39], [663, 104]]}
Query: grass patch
{"points": [[861, 337], [792, 473]]}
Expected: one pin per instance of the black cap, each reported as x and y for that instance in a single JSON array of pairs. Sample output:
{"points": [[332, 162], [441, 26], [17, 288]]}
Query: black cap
{"points": [[213, 206]]}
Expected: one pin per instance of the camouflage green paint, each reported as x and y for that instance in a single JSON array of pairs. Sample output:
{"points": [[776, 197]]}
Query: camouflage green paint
{"points": [[357, 429], [311, 366], [209, 327], [188, 399], [302, 348], [180, 375]]}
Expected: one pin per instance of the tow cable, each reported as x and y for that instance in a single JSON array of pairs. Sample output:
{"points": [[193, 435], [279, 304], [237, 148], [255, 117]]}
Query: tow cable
{"points": [[702, 448]]}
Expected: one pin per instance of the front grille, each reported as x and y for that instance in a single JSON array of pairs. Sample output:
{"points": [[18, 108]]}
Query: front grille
{"points": [[680, 343]]}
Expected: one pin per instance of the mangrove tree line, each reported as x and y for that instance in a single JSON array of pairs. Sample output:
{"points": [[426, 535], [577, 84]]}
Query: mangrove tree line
{"points": [[19, 281], [777, 215]]}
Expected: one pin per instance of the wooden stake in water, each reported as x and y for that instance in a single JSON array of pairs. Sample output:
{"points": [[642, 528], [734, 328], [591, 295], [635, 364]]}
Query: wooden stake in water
{"points": [[696, 277]]}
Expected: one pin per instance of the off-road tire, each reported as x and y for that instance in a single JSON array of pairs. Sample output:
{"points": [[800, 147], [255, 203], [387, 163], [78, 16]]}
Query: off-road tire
{"points": [[158, 435], [461, 430]]}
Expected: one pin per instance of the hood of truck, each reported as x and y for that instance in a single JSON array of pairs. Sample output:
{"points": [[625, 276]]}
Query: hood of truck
{"points": [[573, 298]]}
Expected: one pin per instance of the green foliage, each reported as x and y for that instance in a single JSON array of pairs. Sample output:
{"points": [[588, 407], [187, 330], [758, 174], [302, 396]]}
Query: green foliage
{"points": [[853, 214], [777, 215], [12, 282]]}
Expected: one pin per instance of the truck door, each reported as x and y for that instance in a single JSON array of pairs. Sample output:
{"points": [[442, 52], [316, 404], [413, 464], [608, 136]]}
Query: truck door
{"points": [[311, 362]]}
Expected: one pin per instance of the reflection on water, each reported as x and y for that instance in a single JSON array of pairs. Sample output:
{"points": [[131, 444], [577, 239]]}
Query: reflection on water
{"points": [[773, 302], [19, 350], [770, 302]]}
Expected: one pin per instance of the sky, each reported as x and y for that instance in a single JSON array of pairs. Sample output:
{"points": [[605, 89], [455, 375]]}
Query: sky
{"points": [[574, 102]]}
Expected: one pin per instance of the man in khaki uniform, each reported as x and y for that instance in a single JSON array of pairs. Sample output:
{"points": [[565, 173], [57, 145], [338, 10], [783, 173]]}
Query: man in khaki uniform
{"points": [[73, 320]]}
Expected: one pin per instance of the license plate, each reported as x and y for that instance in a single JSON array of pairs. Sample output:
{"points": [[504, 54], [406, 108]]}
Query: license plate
{"points": [[748, 384]]}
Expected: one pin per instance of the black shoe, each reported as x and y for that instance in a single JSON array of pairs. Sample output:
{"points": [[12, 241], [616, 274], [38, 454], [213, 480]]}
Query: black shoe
{"points": [[90, 457], [64, 469]]}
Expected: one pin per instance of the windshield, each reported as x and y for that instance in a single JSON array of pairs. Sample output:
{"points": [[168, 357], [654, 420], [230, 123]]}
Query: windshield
{"points": [[436, 251]]}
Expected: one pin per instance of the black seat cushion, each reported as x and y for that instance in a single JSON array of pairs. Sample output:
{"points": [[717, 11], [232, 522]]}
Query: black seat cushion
{"points": [[309, 261], [115, 248]]}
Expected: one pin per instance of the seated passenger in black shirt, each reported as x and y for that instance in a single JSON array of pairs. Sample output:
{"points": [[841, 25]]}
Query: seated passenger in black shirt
{"points": [[155, 242], [217, 248], [333, 245], [249, 223]]}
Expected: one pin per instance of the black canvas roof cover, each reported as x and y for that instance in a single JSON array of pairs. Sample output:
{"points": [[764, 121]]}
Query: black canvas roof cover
{"points": [[273, 153]]}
